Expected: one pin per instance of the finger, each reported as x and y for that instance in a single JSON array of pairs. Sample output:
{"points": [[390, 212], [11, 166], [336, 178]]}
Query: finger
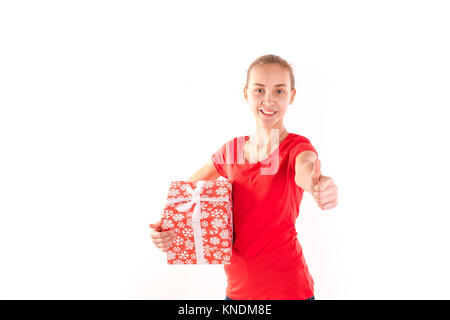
{"points": [[156, 226], [155, 235], [321, 197], [161, 234], [168, 233], [327, 199], [331, 190], [325, 183], [160, 246], [329, 205], [164, 248], [167, 240], [159, 241]]}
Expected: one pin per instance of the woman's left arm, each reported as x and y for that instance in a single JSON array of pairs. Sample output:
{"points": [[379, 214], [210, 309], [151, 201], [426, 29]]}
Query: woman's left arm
{"points": [[309, 178]]}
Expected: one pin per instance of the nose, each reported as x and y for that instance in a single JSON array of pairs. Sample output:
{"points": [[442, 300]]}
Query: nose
{"points": [[268, 99]]}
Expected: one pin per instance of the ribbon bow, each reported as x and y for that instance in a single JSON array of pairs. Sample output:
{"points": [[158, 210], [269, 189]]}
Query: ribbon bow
{"points": [[195, 199]]}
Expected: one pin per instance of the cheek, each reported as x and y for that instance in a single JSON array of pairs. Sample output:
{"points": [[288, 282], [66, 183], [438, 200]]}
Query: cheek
{"points": [[254, 97]]}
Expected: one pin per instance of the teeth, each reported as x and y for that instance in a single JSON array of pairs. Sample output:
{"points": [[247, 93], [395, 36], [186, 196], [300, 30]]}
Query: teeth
{"points": [[268, 113]]}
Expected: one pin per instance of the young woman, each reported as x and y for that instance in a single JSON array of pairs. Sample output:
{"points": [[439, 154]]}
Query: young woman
{"points": [[267, 261]]}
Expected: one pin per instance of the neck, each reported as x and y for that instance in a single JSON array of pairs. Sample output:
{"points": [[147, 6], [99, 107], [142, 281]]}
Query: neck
{"points": [[265, 137]]}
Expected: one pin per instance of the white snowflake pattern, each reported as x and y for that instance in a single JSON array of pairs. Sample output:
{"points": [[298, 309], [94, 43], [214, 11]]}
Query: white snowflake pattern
{"points": [[214, 240], [225, 250], [175, 183], [204, 215], [167, 213], [167, 224], [221, 191], [171, 255], [225, 244], [217, 255], [224, 234], [214, 262], [189, 245], [204, 223], [213, 231], [178, 241], [189, 222], [177, 262], [209, 191], [183, 255], [176, 249], [193, 256], [217, 223], [189, 261], [181, 225], [207, 249], [216, 213], [178, 217], [204, 205], [208, 184], [187, 232], [204, 232], [217, 203], [173, 192], [226, 259]]}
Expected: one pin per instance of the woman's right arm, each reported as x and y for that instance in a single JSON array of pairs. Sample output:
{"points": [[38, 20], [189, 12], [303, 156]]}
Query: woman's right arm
{"points": [[207, 172], [162, 240]]}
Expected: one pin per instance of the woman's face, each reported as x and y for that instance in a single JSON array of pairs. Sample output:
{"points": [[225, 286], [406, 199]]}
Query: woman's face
{"points": [[269, 91]]}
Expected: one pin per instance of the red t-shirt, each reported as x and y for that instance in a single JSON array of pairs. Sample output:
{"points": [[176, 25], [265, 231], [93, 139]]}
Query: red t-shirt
{"points": [[267, 261]]}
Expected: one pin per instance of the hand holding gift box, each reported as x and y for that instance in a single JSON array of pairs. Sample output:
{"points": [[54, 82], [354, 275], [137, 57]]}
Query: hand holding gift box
{"points": [[200, 213]]}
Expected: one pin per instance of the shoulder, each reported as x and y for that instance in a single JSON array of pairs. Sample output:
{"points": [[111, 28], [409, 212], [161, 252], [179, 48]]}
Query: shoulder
{"points": [[297, 138], [301, 149]]}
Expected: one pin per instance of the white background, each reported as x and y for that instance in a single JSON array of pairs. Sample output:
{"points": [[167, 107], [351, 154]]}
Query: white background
{"points": [[102, 103]]}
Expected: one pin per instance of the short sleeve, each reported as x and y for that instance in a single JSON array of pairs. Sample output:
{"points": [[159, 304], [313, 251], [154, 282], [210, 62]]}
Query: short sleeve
{"points": [[300, 145], [218, 159]]}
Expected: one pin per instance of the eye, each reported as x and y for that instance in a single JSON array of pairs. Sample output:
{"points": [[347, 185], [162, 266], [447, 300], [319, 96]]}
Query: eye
{"points": [[280, 91], [257, 90]]}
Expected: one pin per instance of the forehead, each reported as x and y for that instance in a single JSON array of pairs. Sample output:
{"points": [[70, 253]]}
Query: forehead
{"points": [[269, 74]]}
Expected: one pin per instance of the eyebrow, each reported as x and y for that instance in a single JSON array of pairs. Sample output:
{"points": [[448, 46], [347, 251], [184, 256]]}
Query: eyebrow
{"points": [[277, 85]]}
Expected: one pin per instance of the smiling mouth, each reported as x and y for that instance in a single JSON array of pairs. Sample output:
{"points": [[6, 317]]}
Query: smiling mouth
{"points": [[268, 113]]}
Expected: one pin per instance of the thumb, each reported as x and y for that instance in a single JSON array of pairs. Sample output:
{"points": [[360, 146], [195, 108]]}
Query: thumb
{"points": [[316, 174], [156, 225]]}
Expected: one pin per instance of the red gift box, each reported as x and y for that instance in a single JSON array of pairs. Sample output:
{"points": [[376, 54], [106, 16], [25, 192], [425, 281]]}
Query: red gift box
{"points": [[200, 213]]}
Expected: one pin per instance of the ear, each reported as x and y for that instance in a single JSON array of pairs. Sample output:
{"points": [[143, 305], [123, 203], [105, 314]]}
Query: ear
{"points": [[293, 92], [245, 94]]}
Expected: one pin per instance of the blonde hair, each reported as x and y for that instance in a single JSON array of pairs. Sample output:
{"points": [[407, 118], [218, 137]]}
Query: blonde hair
{"points": [[271, 59]]}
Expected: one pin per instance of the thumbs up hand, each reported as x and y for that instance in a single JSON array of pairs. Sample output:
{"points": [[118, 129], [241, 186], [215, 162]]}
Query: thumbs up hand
{"points": [[323, 189]]}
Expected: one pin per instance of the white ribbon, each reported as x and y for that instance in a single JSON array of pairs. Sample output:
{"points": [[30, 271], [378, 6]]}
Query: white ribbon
{"points": [[196, 215], [195, 199]]}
